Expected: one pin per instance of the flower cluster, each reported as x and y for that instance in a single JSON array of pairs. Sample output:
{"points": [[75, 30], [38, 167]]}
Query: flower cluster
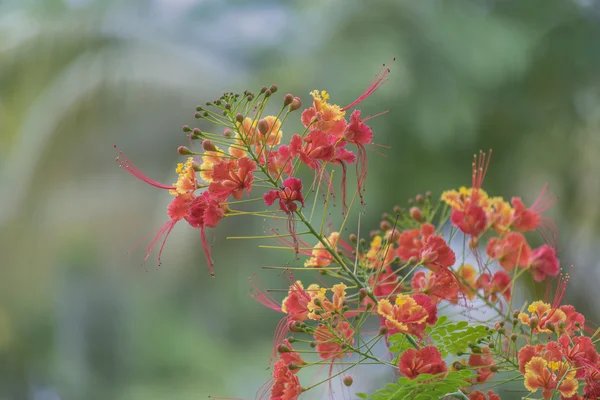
{"points": [[460, 255]]}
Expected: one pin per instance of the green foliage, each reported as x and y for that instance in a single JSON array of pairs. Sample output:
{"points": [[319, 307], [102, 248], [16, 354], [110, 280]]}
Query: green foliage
{"points": [[448, 337], [424, 386], [454, 337]]}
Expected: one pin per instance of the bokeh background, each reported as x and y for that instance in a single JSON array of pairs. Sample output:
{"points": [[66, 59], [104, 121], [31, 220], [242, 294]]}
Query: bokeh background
{"points": [[81, 319]]}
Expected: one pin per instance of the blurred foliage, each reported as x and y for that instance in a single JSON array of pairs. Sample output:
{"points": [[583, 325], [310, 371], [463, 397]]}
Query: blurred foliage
{"points": [[80, 319]]}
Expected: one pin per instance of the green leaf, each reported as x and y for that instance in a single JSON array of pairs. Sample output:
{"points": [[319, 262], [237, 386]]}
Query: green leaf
{"points": [[424, 386]]}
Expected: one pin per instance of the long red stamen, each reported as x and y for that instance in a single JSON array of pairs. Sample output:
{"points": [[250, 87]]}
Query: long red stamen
{"points": [[376, 83], [133, 170]]}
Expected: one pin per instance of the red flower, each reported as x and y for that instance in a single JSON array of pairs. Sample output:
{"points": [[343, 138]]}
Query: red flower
{"points": [[527, 353], [313, 149], [426, 360], [287, 354], [510, 250], [359, 134], [424, 301], [288, 195], [529, 219], [411, 241], [498, 285], [471, 221], [436, 254], [573, 320], [439, 286], [286, 385], [278, 161], [385, 284], [543, 263], [330, 341], [485, 361], [579, 351], [205, 211], [479, 395], [232, 177]]}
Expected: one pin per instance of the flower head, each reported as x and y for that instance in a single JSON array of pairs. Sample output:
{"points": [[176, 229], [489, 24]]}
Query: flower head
{"points": [[232, 177], [426, 360], [289, 196], [510, 250], [550, 376], [402, 314], [543, 262]]}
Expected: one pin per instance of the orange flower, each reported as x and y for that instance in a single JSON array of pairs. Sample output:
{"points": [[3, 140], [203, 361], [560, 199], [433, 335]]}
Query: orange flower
{"points": [[321, 308], [328, 118], [499, 214], [544, 314], [186, 182], [510, 250], [550, 376], [404, 313], [320, 256], [469, 280], [232, 177], [296, 302]]}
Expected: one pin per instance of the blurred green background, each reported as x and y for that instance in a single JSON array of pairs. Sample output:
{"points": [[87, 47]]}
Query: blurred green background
{"points": [[81, 319]]}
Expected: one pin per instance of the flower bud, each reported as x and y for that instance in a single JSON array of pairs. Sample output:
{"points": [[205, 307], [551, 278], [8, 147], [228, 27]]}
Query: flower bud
{"points": [[293, 367], [283, 349], [263, 126], [207, 145], [457, 365], [273, 88], [393, 236], [383, 330], [296, 104], [416, 214], [186, 128], [362, 293], [348, 380], [184, 151], [385, 226], [239, 118], [420, 199], [287, 99]]}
